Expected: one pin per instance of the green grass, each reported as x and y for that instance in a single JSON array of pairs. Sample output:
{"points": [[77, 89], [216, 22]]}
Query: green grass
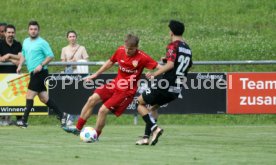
{"points": [[215, 29], [186, 119], [180, 144], [188, 139]]}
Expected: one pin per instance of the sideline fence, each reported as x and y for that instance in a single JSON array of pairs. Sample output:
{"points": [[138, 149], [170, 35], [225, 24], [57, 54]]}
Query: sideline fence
{"points": [[98, 63]]}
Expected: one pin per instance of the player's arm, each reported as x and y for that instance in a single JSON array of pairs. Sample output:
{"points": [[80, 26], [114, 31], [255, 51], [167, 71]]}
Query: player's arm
{"points": [[161, 69], [108, 64], [158, 66]]}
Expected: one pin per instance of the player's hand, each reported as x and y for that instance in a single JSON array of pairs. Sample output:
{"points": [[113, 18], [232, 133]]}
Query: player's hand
{"points": [[149, 75], [90, 78], [38, 69], [18, 70]]}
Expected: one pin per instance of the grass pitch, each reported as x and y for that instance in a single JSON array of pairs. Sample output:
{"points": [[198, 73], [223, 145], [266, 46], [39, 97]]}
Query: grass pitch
{"points": [[180, 144]]}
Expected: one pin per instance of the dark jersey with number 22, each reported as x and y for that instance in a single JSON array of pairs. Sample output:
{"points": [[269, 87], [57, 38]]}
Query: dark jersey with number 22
{"points": [[179, 53]]}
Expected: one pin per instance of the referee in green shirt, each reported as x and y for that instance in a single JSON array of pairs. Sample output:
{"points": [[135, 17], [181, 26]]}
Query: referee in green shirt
{"points": [[37, 53]]}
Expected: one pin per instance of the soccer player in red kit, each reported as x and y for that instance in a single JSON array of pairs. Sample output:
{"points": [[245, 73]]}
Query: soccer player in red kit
{"points": [[118, 94]]}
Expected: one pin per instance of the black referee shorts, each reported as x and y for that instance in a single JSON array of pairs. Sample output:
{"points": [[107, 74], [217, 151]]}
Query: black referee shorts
{"points": [[37, 81], [158, 96]]}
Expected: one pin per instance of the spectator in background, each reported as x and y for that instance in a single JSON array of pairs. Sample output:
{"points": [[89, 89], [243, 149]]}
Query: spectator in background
{"points": [[2, 30], [73, 52], [10, 51]]}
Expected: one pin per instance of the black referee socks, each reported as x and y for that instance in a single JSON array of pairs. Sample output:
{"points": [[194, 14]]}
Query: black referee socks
{"points": [[29, 106]]}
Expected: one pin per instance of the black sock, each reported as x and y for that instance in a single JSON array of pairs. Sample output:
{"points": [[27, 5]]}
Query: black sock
{"points": [[29, 106], [148, 130], [149, 123], [52, 105]]}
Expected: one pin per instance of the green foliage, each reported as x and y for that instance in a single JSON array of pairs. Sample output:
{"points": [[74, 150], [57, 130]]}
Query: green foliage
{"points": [[215, 29]]}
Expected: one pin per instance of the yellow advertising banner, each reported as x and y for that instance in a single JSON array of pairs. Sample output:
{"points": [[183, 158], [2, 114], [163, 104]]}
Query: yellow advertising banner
{"points": [[13, 89], [7, 97]]}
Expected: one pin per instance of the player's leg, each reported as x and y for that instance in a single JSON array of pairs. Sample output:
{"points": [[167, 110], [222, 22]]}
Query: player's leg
{"points": [[100, 123], [90, 104], [101, 94], [157, 97], [44, 97], [144, 112], [154, 115], [145, 138], [71, 119], [29, 105], [116, 104], [154, 112], [87, 110]]}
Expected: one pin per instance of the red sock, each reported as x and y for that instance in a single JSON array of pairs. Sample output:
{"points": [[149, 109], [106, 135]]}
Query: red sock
{"points": [[98, 132], [80, 123]]}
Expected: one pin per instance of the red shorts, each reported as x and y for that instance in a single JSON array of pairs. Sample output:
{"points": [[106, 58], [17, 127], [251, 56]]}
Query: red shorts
{"points": [[116, 101]]}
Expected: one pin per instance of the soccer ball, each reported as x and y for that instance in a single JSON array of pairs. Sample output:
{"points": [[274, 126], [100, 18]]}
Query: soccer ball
{"points": [[88, 135]]}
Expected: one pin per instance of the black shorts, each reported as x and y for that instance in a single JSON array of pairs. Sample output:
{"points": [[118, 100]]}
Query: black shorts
{"points": [[37, 81], [158, 96]]}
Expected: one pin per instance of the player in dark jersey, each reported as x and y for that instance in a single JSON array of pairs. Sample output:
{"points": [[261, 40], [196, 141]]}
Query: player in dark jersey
{"points": [[118, 94], [178, 60]]}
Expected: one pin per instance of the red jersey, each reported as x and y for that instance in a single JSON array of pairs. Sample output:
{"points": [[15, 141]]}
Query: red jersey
{"points": [[130, 68]]}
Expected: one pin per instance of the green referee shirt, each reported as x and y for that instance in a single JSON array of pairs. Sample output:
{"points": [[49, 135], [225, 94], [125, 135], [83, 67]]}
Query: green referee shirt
{"points": [[35, 52]]}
